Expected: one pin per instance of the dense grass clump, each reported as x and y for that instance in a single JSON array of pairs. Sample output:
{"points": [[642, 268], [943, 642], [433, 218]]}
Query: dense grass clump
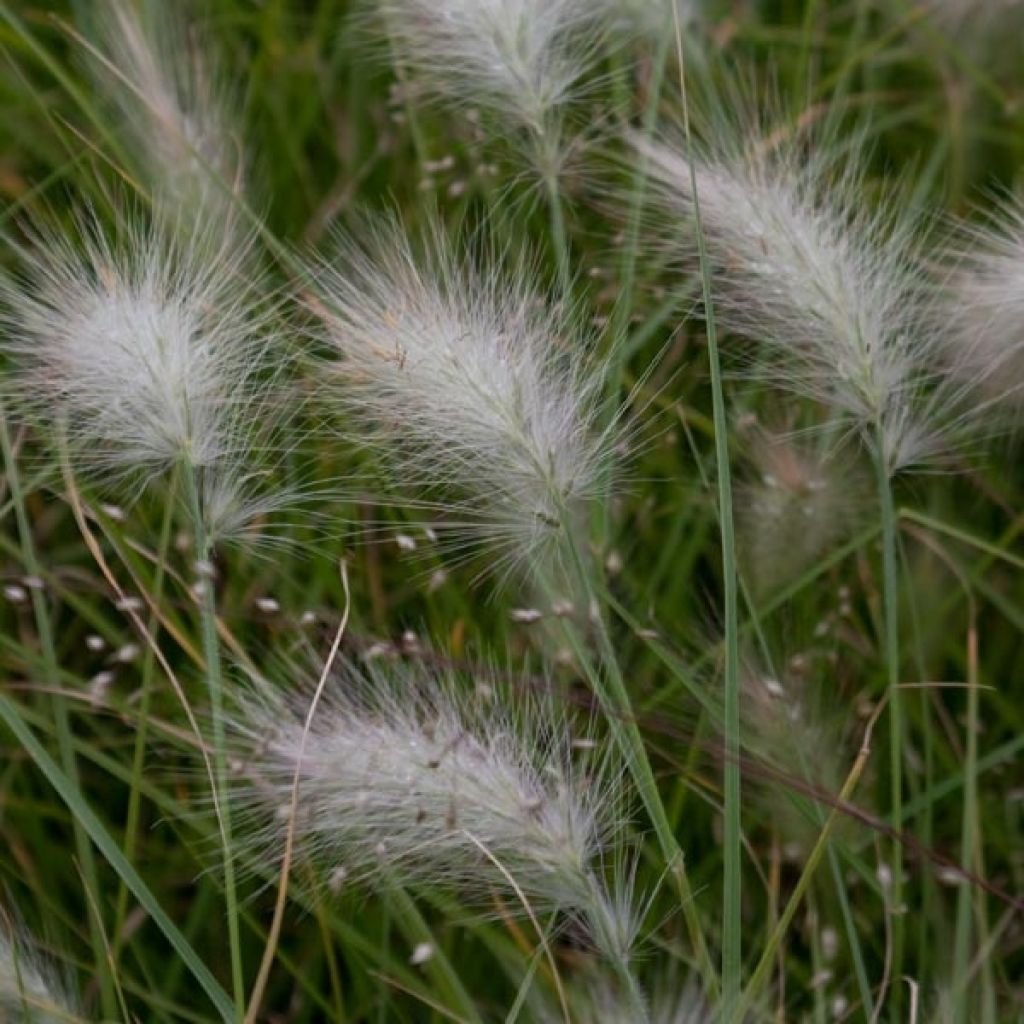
{"points": [[510, 511]]}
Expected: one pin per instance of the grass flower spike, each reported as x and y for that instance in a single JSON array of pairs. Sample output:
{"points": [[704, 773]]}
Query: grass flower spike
{"points": [[797, 503], [145, 351], [470, 383], [178, 112], [983, 312], [523, 59], [412, 780], [829, 292]]}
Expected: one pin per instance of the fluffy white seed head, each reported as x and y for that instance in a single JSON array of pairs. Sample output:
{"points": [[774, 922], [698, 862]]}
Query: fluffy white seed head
{"points": [[143, 351], [471, 384], [32, 990], [413, 779], [522, 59], [982, 312], [178, 112], [797, 502], [830, 293], [797, 729]]}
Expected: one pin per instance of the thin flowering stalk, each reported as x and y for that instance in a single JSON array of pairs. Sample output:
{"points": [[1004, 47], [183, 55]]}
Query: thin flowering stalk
{"points": [[732, 963], [559, 235], [215, 688], [609, 686], [131, 828], [891, 640], [259, 986]]}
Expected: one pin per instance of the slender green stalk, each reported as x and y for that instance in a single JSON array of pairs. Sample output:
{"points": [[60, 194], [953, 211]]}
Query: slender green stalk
{"points": [[214, 682], [970, 839], [62, 720], [613, 695], [131, 828], [732, 921], [559, 235], [803, 65], [850, 925], [891, 640]]}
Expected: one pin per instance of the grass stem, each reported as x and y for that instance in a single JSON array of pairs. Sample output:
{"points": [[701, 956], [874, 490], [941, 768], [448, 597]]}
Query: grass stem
{"points": [[214, 682], [559, 235], [970, 840], [610, 688], [891, 641], [732, 922], [131, 827]]}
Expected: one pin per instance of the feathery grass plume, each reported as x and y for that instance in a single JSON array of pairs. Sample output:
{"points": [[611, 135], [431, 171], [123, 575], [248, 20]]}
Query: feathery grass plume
{"points": [[179, 112], [798, 502], [411, 778], [470, 384], [830, 291], [793, 724], [982, 312], [146, 350], [523, 60], [32, 990]]}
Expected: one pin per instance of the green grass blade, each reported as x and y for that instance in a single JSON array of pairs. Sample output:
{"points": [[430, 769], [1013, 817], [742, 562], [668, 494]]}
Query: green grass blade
{"points": [[84, 814]]}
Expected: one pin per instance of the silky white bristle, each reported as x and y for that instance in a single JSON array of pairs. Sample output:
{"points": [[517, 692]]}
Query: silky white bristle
{"points": [[470, 384], [32, 990], [410, 779], [145, 351], [831, 294], [522, 60], [178, 113]]}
